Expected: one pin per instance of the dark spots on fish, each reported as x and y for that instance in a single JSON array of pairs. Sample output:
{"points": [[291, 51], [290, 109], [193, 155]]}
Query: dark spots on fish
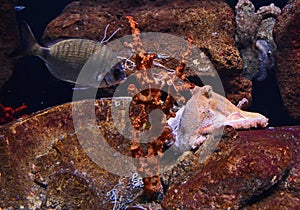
{"points": [[67, 49], [94, 48], [45, 53], [71, 50], [55, 52], [104, 79], [80, 46], [118, 72], [114, 76]]}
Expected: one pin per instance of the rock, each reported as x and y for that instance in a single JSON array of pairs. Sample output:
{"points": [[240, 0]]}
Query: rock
{"points": [[8, 39], [44, 163], [282, 200], [211, 23], [238, 88], [253, 169], [285, 194], [286, 32], [189, 162]]}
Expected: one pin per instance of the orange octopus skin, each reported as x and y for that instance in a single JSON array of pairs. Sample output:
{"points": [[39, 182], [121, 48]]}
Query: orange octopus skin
{"points": [[206, 112]]}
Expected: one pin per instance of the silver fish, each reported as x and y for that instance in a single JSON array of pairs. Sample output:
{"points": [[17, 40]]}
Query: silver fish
{"points": [[81, 61]]}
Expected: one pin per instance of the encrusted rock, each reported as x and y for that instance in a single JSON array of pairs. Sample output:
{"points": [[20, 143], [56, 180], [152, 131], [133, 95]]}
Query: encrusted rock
{"points": [[238, 88], [210, 22], [189, 162], [286, 193], [44, 163], [287, 73], [240, 172]]}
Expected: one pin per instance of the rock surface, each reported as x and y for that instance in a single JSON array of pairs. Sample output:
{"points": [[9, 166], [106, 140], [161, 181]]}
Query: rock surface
{"points": [[251, 170], [211, 23], [286, 34], [43, 164], [8, 39]]}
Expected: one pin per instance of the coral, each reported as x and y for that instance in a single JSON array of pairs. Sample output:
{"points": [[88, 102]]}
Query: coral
{"points": [[145, 102], [253, 29], [205, 112], [8, 114]]}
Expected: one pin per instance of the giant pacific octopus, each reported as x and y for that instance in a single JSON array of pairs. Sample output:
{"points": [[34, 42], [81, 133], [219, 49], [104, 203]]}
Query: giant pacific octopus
{"points": [[254, 37], [205, 113]]}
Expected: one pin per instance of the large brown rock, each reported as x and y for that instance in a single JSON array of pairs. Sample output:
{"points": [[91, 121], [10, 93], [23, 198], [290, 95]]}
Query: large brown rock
{"points": [[285, 194], [286, 32], [254, 168], [44, 165], [211, 23], [8, 39]]}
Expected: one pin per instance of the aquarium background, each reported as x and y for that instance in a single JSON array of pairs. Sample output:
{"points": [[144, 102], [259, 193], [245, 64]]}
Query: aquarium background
{"points": [[33, 85]]}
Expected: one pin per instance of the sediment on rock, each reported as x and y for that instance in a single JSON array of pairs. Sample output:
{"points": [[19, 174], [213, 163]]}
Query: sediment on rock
{"points": [[241, 172]]}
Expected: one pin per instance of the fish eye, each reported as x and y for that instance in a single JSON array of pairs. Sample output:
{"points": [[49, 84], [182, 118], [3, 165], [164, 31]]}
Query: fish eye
{"points": [[118, 71]]}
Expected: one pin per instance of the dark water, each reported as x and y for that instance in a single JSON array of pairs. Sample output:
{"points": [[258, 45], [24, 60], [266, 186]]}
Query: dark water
{"points": [[31, 82], [33, 85]]}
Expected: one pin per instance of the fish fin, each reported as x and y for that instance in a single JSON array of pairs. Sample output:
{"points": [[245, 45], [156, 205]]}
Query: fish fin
{"points": [[28, 43]]}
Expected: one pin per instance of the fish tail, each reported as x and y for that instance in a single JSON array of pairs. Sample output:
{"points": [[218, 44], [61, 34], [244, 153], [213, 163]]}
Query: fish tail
{"points": [[28, 43]]}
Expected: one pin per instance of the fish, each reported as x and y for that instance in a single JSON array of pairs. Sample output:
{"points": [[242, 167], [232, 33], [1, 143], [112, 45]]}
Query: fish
{"points": [[80, 61]]}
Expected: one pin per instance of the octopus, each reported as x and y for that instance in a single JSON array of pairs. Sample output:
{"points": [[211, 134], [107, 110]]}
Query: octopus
{"points": [[207, 112], [254, 37]]}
